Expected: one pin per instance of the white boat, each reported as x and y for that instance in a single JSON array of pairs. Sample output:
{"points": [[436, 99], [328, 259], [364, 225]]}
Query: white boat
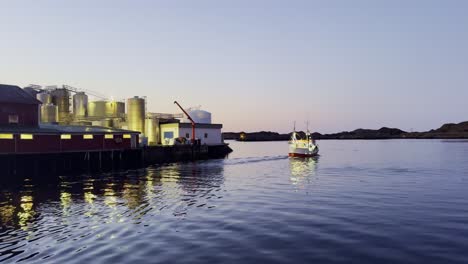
{"points": [[302, 147]]}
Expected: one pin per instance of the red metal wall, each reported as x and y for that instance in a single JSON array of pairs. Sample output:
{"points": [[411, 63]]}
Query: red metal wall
{"points": [[53, 143], [28, 114], [43, 143], [7, 146]]}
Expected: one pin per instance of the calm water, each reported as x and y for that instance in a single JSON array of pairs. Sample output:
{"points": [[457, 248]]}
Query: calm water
{"points": [[398, 201]]}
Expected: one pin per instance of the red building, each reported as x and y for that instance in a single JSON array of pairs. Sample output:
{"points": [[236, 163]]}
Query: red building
{"points": [[20, 131], [18, 108]]}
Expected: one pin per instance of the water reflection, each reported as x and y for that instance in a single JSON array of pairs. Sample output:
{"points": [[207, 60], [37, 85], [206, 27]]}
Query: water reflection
{"points": [[112, 198], [302, 170]]}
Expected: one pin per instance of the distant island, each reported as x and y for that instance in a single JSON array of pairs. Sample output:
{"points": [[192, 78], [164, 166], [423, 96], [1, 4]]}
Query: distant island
{"points": [[446, 131]]}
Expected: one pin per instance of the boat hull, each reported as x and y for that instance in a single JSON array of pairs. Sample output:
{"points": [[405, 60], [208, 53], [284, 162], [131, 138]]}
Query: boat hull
{"points": [[302, 151], [302, 155]]}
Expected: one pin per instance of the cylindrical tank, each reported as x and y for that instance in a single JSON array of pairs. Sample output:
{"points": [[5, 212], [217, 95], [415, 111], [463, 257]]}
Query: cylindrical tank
{"points": [[152, 130], [44, 97], [115, 109], [136, 114], [116, 122], [49, 113], [120, 109], [61, 98], [97, 109], [199, 116], [80, 105]]}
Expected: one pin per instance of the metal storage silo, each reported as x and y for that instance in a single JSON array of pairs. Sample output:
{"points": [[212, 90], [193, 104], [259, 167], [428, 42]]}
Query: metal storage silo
{"points": [[115, 109], [136, 114], [120, 109], [49, 113], [44, 97], [97, 109], [61, 98], [80, 105], [152, 130]]}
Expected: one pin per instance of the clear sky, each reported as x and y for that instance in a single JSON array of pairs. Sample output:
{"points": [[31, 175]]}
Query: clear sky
{"points": [[256, 65]]}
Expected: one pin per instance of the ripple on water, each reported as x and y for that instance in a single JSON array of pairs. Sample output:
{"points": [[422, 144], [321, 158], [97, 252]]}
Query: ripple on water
{"points": [[352, 204]]}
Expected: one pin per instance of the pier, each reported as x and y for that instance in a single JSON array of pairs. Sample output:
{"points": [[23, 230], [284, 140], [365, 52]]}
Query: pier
{"points": [[49, 166]]}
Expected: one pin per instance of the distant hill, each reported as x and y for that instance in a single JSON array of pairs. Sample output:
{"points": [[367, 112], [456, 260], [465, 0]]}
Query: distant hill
{"points": [[447, 131]]}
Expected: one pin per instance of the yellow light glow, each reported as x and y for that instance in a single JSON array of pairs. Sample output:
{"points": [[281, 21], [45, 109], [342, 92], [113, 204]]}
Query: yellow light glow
{"points": [[65, 136], [6, 136], [127, 136], [88, 136], [26, 136], [109, 136]]}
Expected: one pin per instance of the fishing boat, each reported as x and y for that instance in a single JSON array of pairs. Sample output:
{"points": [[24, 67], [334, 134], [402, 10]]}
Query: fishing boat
{"points": [[300, 146]]}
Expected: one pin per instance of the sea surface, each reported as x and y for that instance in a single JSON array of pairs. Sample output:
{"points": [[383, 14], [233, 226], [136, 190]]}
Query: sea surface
{"points": [[382, 201]]}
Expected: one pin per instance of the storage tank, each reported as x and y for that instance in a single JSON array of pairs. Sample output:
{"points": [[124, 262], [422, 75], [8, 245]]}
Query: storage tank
{"points": [[115, 109], [97, 109], [80, 105], [49, 113], [61, 98], [199, 116], [152, 130], [136, 114], [44, 97]]}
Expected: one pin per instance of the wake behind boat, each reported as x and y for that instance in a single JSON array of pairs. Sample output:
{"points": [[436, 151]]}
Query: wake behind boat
{"points": [[302, 147]]}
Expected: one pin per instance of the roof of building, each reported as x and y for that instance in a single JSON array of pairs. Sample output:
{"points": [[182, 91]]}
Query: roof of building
{"points": [[197, 125], [59, 129], [14, 94]]}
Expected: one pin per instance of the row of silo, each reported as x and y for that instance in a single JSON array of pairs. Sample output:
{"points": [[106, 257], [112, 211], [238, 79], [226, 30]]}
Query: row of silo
{"points": [[55, 106]]}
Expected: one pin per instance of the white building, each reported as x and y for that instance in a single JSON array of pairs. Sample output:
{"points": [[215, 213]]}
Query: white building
{"points": [[209, 134]]}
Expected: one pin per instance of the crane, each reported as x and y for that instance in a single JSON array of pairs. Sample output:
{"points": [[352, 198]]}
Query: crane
{"points": [[191, 120]]}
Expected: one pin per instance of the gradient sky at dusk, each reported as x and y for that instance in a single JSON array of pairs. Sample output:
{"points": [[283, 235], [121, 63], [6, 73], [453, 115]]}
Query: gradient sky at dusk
{"points": [[256, 65]]}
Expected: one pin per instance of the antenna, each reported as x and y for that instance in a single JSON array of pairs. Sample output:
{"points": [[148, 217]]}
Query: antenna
{"points": [[294, 126]]}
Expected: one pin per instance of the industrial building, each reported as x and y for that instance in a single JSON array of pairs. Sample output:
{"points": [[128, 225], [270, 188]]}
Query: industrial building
{"points": [[209, 134], [66, 107], [21, 131], [17, 108]]}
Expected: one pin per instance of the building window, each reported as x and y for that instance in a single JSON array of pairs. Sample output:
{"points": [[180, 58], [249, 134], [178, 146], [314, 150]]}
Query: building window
{"points": [[127, 136], [187, 135], [168, 134], [206, 135], [109, 136], [26, 136], [88, 136], [65, 136], [6, 136], [13, 119]]}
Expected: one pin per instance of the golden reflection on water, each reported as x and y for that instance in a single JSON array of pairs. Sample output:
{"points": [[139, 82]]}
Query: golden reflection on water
{"points": [[26, 212], [302, 169], [111, 198]]}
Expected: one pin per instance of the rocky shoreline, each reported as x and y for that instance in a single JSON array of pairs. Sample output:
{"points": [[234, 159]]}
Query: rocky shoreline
{"points": [[446, 131]]}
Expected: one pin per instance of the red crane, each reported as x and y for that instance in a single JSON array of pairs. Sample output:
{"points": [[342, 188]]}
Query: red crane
{"points": [[191, 120]]}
